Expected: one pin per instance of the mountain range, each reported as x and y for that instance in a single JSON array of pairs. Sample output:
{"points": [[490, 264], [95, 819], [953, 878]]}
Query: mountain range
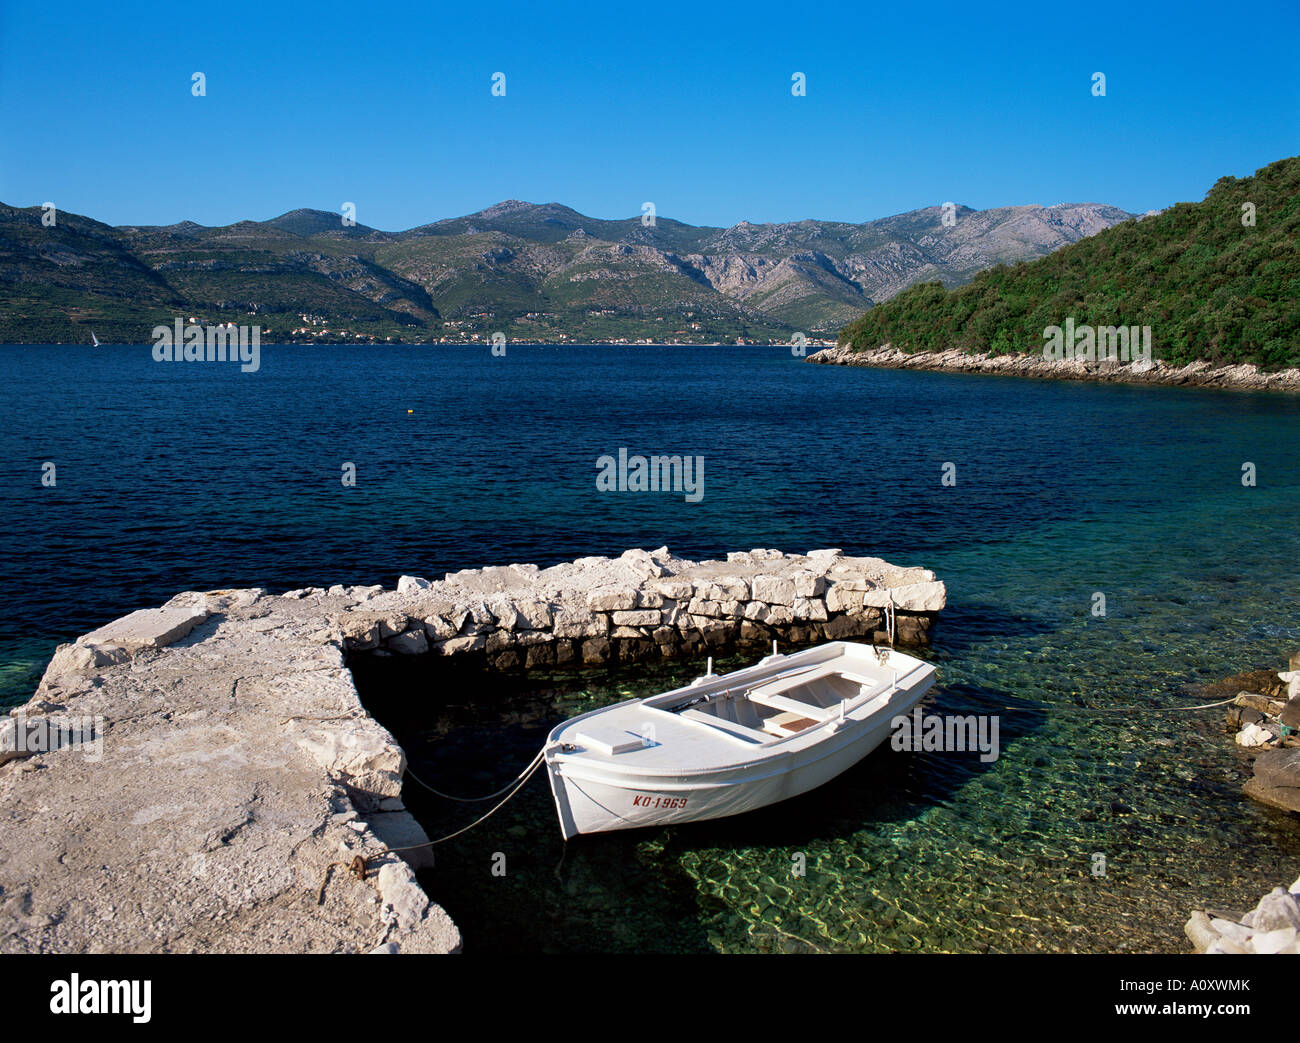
{"points": [[536, 272]]}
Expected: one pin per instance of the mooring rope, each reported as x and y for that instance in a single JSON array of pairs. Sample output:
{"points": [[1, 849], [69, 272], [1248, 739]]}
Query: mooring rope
{"points": [[476, 800], [1122, 709], [359, 865], [518, 785]]}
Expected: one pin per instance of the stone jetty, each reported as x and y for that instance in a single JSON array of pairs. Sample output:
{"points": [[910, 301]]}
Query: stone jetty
{"points": [[202, 776], [643, 605]]}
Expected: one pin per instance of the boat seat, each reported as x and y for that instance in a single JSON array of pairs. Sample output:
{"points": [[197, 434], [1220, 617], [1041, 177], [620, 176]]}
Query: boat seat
{"points": [[789, 723], [826, 672], [784, 703], [784, 684], [740, 731]]}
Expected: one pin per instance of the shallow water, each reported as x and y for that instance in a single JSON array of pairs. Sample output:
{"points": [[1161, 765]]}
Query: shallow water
{"points": [[176, 477]]}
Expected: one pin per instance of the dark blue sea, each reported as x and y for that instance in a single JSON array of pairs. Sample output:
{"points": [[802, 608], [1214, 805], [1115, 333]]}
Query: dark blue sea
{"points": [[183, 476]]}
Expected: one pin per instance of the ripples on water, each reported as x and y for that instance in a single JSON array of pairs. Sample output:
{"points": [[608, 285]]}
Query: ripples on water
{"points": [[192, 477]]}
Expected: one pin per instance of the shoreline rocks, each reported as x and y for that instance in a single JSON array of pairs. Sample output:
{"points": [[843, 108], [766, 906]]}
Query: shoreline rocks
{"points": [[1268, 723], [1245, 377], [1264, 718], [1272, 927]]}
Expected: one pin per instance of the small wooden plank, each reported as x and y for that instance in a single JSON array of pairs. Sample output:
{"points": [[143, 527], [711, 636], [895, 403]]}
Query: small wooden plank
{"points": [[789, 723]]}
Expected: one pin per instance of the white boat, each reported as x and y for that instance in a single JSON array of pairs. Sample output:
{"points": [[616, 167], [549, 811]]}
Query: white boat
{"points": [[93, 339], [730, 743]]}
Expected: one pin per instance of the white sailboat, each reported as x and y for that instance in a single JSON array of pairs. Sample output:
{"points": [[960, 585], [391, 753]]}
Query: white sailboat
{"points": [[93, 339], [731, 743]]}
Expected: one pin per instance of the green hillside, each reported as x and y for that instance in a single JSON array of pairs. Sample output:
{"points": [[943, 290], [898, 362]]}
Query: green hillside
{"points": [[1207, 285]]}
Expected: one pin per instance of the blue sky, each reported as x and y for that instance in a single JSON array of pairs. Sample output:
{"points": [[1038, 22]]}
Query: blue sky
{"points": [[685, 105]]}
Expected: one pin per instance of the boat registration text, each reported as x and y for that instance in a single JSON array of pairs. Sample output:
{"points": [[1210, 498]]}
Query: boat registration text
{"points": [[648, 800]]}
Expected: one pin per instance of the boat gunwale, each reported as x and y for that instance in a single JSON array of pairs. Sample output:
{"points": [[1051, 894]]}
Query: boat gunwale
{"points": [[773, 752], [838, 649]]}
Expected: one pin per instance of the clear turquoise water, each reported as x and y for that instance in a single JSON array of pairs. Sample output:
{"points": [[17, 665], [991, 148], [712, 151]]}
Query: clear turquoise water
{"points": [[176, 477]]}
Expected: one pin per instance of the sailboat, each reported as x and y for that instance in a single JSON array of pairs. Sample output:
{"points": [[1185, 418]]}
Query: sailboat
{"points": [[93, 339], [728, 744]]}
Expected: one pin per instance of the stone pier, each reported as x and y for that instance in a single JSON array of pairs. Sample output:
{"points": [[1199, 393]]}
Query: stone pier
{"points": [[202, 776], [645, 605]]}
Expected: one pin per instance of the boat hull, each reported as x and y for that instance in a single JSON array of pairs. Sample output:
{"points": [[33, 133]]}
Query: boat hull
{"points": [[590, 799]]}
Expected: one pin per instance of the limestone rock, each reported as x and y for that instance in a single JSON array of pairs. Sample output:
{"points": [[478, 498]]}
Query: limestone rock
{"points": [[779, 615], [1290, 715], [841, 598], [809, 584], [674, 587], [439, 628], [911, 597], [571, 622], [612, 600], [1285, 797], [775, 590], [1276, 910], [1200, 932], [642, 563], [71, 659], [841, 628], [361, 752], [810, 608], [399, 829], [412, 642], [1279, 768], [639, 618], [148, 628], [405, 903], [535, 615], [507, 615], [460, 645], [1253, 735], [1269, 942]]}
